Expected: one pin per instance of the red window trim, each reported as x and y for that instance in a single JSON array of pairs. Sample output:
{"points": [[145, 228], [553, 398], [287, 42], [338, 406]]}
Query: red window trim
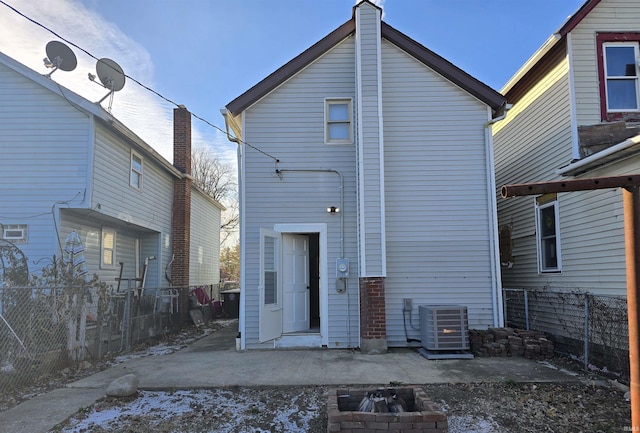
{"points": [[601, 38]]}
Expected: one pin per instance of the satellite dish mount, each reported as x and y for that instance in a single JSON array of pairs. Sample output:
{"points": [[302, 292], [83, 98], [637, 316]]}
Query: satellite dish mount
{"points": [[59, 56], [111, 76]]}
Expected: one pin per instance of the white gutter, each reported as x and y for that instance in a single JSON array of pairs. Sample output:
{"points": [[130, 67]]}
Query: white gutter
{"points": [[533, 60], [585, 162], [239, 153]]}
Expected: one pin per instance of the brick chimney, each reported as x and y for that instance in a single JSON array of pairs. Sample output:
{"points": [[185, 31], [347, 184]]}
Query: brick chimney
{"points": [[181, 227]]}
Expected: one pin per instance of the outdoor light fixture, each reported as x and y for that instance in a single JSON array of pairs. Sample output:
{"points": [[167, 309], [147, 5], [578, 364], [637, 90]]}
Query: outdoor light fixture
{"points": [[333, 209]]}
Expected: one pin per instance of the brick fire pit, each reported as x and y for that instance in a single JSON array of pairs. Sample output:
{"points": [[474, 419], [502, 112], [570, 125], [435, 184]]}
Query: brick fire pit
{"points": [[422, 414]]}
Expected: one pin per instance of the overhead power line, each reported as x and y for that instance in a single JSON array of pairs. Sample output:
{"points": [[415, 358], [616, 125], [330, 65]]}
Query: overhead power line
{"points": [[155, 92]]}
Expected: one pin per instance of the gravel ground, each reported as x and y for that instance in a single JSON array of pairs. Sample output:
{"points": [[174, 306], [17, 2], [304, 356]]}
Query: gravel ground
{"points": [[479, 408], [592, 406]]}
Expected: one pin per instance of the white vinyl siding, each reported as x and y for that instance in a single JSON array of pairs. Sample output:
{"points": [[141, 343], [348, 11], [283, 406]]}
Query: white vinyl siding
{"points": [[370, 143], [289, 124], [112, 191], [535, 140], [437, 208], [45, 160], [530, 144], [205, 240]]}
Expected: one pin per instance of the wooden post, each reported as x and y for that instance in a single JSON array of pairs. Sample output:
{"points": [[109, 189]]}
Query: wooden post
{"points": [[631, 197]]}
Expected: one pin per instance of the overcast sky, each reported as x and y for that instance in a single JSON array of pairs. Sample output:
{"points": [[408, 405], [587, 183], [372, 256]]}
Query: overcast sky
{"points": [[204, 53]]}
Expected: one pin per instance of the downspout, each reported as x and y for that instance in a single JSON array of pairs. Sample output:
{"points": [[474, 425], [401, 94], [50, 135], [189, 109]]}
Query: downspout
{"points": [[241, 321], [496, 280]]}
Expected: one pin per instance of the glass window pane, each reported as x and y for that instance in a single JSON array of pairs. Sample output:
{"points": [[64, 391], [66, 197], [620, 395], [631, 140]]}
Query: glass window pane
{"points": [[270, 272], [338, 131], [135, 179], [549, 256], [338, 112], [270, 288], [107, 240], [136, 163], [621, 94], [107, 257], [547, 222], [621, 61]]}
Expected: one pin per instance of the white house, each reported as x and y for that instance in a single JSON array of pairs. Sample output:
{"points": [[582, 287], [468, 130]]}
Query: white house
{"points": [[570, 104], [366, 173], [67, 165], [575, 114]]}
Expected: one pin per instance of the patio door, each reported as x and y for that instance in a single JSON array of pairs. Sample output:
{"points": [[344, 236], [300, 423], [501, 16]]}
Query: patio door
{"points": [[295, 283], [270, 286]]}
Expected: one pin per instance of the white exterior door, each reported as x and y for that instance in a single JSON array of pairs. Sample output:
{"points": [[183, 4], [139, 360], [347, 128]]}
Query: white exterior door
{"points": [[270, 286], [295, 283]]}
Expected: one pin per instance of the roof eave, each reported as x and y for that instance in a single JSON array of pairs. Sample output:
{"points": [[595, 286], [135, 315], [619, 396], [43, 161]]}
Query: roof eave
{"points": [[622, 150], [551, 42], [290, 68], [445, 68]]}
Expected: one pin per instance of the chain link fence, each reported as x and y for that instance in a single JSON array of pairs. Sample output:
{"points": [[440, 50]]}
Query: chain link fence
{"points": [[45, 329], [593, 328]]}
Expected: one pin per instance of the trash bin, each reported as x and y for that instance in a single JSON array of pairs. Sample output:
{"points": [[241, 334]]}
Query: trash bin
{"points": [[231, 302]]}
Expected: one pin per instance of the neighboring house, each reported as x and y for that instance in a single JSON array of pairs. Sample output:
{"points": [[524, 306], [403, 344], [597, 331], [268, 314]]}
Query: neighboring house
{"points": [[570, 104], [366, 178], [67, 165]]}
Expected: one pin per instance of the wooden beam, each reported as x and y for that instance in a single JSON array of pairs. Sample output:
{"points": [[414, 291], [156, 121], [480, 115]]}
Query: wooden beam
{"points": [[628, 181], [631, 196]]}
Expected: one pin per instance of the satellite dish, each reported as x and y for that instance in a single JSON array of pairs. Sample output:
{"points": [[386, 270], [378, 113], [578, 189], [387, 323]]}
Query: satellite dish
{"points": [[59, 56], [111, 76]]}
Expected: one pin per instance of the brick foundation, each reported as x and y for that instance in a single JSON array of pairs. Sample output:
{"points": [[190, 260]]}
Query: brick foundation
{"points": [[373, 320], [422, 414]]}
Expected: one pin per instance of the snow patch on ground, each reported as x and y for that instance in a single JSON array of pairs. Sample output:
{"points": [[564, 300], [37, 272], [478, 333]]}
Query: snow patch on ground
{"points": [[472, 424], [222, 407]]}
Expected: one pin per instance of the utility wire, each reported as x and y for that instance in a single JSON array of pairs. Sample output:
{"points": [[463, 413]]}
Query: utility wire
{"points": [[134, 80]]}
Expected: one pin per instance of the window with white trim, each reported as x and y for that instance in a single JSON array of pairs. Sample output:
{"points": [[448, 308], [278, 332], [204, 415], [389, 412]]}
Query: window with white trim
{"points": [[338, 121], [136, 170], [108, 249], [619, 75], [15, 233], [548, 234]]}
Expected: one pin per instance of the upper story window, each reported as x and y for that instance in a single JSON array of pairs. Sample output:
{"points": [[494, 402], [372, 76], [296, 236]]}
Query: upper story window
{"points": [[548, 233], [338, 121], [619, 74], [135, 179]]}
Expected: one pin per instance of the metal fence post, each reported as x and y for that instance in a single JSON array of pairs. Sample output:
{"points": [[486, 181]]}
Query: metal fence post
{"points": [[586, 330], [526, 309], [504, 305]]}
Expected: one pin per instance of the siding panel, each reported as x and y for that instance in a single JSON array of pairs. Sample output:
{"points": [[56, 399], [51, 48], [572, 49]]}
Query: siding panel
{"points": [[304, 195], [437, 210]]}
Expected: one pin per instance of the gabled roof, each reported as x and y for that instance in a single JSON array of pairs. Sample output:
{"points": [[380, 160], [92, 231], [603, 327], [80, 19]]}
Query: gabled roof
{"points": [[449, 71], [548, 46]]}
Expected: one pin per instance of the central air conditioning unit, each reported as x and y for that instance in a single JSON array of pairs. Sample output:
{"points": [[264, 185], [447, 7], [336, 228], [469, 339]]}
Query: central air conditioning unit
{"points": [[444, 327]]}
